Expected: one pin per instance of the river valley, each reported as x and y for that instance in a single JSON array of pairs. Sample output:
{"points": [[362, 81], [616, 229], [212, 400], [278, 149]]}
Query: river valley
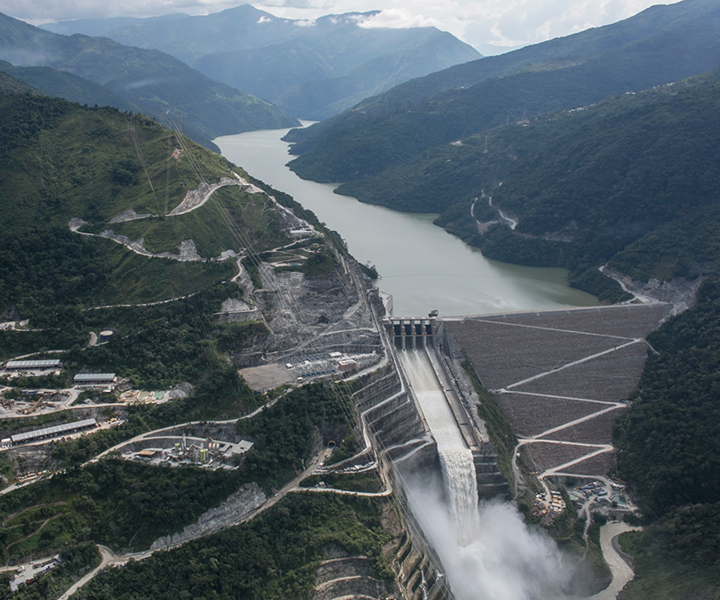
{"points": [[486, 551], [421, 266]]}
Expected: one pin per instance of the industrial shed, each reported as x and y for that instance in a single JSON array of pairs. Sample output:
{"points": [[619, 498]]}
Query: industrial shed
{"points": [[32, 365], [51, 432], [94, 378]]}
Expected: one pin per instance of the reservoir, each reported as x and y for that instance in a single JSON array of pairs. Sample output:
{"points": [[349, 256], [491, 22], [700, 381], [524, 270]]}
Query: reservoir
{"points": [[421, 265]]}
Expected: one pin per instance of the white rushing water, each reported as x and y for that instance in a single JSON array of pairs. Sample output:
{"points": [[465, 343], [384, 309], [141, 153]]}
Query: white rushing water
{"points": [[455, 457], [487, 551]]}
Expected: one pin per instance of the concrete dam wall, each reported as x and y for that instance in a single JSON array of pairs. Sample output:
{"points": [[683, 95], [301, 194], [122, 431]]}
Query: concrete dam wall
{"points": [[399, 422]]}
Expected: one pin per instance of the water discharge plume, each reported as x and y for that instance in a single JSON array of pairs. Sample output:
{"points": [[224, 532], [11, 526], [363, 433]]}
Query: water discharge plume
{"points": [[487, 551], [503, 561]]}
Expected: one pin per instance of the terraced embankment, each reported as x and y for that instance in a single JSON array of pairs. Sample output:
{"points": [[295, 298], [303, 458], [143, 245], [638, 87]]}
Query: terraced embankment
{"points": [[561, 377]]}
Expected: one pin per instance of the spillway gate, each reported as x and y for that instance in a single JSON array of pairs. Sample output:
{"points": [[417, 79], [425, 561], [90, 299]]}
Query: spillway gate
{"points": [[410, 332]]}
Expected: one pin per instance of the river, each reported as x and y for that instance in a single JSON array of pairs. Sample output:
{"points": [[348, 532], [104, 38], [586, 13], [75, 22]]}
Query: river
{"points": [[421, 265]]}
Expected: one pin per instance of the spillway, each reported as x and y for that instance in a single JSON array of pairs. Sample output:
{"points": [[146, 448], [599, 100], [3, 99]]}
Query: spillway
{"points": [[455, 457]]}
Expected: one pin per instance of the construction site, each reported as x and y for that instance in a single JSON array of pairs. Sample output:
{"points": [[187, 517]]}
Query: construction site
{"points": [[560, 378]]}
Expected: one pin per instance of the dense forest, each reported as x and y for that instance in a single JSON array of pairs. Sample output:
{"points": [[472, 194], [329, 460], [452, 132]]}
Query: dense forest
{"points": [[669, 449], [122, 504], [271, 557]]}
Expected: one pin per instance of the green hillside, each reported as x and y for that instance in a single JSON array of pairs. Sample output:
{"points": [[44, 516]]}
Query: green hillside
{"points": [[162, 86], [62, 161], [660, 45], [11, 85], [61, 84], [669, 448], [632, 180]]}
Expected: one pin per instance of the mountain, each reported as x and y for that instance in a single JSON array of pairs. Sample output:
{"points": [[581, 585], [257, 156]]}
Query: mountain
{"points": [[61, 84], [101, 27], [632, 180], [116, 174], [159, 84], [660, 45], [11, 85], [311, 69]]}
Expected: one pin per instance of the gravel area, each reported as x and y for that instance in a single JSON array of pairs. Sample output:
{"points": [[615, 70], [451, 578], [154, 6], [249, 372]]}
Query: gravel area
{"points": [[531, 415], [503, 354], [506, 349], [631, 320], [547, 456], [597, 465], [597, 430], [611, 377], [267, 377]]}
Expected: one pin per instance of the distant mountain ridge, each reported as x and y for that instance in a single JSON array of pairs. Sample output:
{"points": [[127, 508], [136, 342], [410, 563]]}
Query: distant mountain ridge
{"points": [[660, 45], [159, 84], [61, 84], [633, 180], [312, 69]]}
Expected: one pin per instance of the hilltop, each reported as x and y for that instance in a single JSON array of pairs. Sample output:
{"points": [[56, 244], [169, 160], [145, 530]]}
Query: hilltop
{"points": [[160, 85], [660, 45], [312, 69]]}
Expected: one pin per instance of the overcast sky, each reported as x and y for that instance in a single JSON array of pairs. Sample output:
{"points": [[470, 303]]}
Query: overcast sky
{"points": [[492, 26]]}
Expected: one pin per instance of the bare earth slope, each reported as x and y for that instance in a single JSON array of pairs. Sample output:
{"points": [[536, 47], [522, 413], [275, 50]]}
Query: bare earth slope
{"points": [[562, 377]]}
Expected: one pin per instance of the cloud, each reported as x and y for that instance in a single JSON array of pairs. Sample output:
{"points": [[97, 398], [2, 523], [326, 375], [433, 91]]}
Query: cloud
{"points": [[486, 24], [395, 18]]}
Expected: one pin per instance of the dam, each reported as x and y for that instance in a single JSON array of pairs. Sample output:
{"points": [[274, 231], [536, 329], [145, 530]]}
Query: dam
{"points": [[445, 398], [417, 414]]}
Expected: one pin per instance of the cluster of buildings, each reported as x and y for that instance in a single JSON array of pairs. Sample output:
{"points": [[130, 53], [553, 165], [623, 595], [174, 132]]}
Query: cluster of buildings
{"points": [[53, 366], [175, 451], [334, 363], [597, 492], [546, 509]]}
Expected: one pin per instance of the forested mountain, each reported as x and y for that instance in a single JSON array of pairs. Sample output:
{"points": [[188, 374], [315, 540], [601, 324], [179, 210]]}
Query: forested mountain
{"points": [[61, 84], [159, 84], [658, 46], [669, 449], [62, 161], [633, 180], [311, 69]]}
